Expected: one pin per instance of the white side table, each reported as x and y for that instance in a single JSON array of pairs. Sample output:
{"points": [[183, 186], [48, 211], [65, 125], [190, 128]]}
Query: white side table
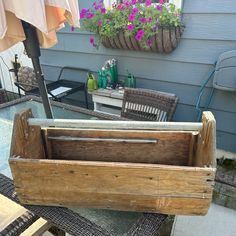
{"points": [[108, 101]]}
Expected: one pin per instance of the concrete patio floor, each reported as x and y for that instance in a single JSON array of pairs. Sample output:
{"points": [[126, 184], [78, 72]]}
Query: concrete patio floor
{"points": [[219, 221]]}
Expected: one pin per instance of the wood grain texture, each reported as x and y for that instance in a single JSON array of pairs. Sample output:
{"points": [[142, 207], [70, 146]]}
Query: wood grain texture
{"points": [[164, 205], [47, 144], [170, 148], [37, 228], [206, 148], [9, 212], [192, 148], [134, 187], [26, 140]]}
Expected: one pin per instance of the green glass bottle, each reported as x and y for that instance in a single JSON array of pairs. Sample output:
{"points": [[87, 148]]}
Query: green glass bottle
{"points": [[114, 71], [90, 82], [127, 80], [130, 81], [100, 80], [95, 85], [104, 81]]}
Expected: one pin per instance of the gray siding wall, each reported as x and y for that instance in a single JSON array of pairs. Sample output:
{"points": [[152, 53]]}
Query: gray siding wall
{"points": [[210, 31]]}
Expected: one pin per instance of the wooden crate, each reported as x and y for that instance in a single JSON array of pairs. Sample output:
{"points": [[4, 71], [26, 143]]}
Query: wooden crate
{"points": [[166, 167]]}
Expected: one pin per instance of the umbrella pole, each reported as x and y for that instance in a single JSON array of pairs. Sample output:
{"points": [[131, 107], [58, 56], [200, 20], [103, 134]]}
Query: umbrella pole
{"points": [[31, 44]]}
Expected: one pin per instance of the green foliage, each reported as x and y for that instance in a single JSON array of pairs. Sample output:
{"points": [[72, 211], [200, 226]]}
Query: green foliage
{"points": [[146, 21]]}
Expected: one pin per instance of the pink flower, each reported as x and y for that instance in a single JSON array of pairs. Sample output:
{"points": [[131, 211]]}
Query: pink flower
{"points": [[84, 10], [159, 7], [143, 20], [149, 19], [83, 13], [97, 7], [134, 2], [90, 15], [162, 2], [148, 3], [149, 42], [126, 3], [138, 37], [130, 27], [92, 40], [103, 10], [119, 7], [140, 32], [131, 17], [135, 10]]}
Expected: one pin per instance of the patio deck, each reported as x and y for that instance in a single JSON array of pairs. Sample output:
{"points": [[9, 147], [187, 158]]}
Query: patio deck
{"points": [[219, 221]]}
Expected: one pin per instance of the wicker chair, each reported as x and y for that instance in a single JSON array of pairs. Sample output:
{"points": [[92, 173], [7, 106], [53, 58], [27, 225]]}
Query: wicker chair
{"points": [[26, 79], [3, 96], [148, 105]]}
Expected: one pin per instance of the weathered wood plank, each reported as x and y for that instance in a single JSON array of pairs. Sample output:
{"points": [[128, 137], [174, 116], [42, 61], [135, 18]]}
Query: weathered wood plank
{"points": [[128, 186], [164, 205], [37, 228], [192, 148], [9, 211], [206, 149], [170, 148], [165, 150], [26, 140]]}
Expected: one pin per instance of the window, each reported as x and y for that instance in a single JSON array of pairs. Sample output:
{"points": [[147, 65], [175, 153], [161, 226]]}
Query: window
{"points": [[178, 3]]}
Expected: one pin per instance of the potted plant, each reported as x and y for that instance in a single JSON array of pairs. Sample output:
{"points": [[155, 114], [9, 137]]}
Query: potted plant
{"points": [[134, 25]]}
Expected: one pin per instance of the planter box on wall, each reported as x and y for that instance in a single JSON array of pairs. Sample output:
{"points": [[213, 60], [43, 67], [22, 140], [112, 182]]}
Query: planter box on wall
{"points": [[166, 40]]}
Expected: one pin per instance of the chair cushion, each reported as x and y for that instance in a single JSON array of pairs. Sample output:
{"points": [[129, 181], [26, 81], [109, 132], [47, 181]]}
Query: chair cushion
{"points": [[27, 78]]}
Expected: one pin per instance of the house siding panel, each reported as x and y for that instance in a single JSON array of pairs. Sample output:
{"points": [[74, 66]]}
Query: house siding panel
{"points": [[210, 31]]}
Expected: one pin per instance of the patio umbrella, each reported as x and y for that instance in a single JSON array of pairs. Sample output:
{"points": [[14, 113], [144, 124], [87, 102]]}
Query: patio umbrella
{"points": [[35, 23]]}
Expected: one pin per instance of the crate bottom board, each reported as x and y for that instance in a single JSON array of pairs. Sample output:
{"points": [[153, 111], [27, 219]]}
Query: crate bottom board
{"points": [[164, 205]]}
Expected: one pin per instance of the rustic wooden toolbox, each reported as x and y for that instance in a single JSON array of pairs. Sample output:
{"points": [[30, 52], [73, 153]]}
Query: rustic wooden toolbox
{"points": [[166, 167]]}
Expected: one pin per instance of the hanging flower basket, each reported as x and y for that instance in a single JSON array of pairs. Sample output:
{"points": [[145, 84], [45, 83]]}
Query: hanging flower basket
{"points": [[165, 41], [138, 25]]}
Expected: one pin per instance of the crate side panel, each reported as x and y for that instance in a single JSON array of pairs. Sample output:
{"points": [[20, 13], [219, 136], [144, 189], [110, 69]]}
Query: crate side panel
{"points": [[170, 147], [114, 185]]}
